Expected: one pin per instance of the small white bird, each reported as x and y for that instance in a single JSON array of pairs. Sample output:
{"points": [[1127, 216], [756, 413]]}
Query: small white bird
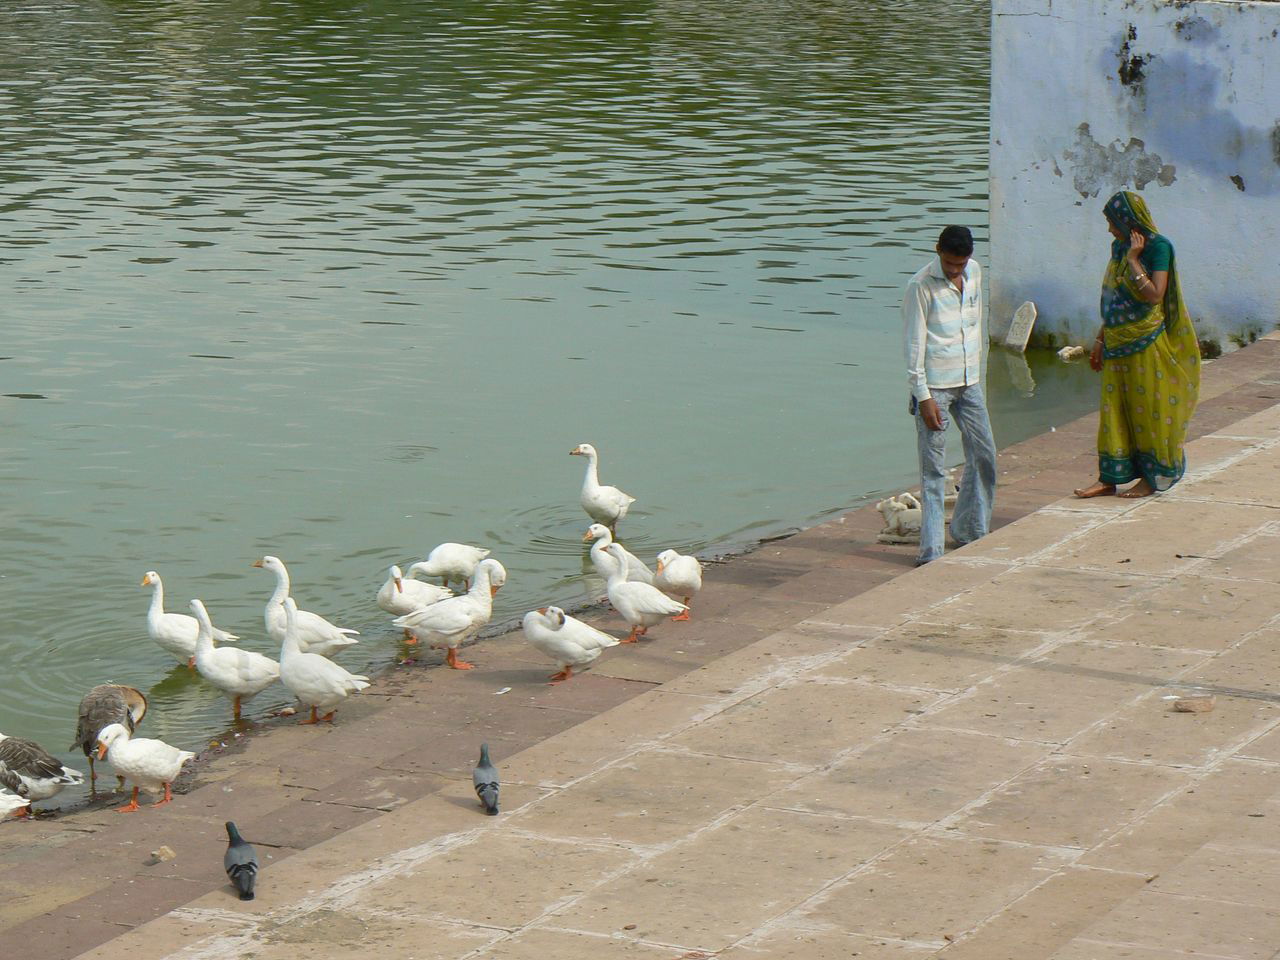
{"points": [[567, 641], [603, 504], [149, 764], [600, 538], [12, 803], [315, 633], [32, 772], [401, 595], [678, 576], [639, 604], [317, 682], [451, 622], [239, 674], [451, 561], [175, 632]]}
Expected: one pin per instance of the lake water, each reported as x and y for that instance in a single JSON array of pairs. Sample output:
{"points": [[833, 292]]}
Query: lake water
{"points": [[339, 282]]}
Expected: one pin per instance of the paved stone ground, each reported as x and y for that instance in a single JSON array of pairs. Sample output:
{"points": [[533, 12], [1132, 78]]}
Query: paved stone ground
{"points": [[839, 757]]}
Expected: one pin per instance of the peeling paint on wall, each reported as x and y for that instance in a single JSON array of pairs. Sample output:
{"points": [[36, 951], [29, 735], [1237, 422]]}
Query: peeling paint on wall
{"points": [[1096, 168]]}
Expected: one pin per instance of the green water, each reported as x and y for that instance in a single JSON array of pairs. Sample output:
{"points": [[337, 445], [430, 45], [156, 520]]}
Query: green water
{"points": [[341, 281]]}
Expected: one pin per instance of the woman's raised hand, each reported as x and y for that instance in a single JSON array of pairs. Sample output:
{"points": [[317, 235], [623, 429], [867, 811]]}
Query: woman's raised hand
{"points": [[1137, 243]]}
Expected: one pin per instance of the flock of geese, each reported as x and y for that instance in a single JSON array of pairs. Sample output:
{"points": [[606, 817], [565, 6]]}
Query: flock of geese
{"points": [[111, 713]]}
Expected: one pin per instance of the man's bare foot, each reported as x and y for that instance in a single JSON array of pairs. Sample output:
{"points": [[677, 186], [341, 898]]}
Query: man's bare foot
{"points": [[1137, 491], [1098, 489]]}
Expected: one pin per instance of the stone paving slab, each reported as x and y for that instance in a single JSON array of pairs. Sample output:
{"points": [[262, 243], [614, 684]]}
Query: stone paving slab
{"points": [[972, 759]]}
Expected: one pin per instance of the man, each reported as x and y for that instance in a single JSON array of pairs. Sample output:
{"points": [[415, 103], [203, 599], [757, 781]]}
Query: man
{"points": [[942, 320]]}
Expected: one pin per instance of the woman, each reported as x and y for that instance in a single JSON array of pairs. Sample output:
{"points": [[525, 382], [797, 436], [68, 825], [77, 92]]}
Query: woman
{"points": [[1149, 358]]}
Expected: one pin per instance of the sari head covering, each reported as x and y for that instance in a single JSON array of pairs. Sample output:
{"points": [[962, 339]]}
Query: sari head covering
{"points": [[1151, 368]]}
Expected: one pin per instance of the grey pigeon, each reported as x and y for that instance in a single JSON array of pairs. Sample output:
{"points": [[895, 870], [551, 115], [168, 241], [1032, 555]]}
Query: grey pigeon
{"points": [[240, 862], [485, 777]]}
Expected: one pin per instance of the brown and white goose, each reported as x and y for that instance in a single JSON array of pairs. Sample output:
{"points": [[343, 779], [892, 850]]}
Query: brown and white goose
{"points": [[105, 704], [30, 771]]}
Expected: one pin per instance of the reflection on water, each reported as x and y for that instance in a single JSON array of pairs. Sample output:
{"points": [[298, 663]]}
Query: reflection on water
{"points": [[338, 283]]}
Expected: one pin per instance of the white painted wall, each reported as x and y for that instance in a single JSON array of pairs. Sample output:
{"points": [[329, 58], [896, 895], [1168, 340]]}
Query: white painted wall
{"points": [[1193, 125]]}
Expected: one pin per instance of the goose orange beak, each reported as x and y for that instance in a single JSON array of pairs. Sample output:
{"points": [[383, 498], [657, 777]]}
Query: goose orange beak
{"points": [[145, 581], [399, 586], [493, 591], [102, 751], [658, 568], [257, 563], [588, 537], [542, 611], [574, 452]]}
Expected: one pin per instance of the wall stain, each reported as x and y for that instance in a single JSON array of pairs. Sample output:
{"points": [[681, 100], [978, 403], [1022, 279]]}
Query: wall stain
{"points": [[1131, 64], [1188, 112], [1195, 29], [1238, 181], [1096, 168]]}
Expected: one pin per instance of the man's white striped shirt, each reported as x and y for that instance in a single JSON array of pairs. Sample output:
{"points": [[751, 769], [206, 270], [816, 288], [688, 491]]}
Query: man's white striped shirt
{"points": [[943, 329]]}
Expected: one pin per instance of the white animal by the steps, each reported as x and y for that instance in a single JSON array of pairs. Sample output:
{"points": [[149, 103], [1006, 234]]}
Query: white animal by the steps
{"points": [[901, 519], [401, 594], [604, 504], [640, 604], [315, 633], [30, 771], [316, 681], [600, 537], [451, 562], [451, 622], [679, 576], [568, 642], [239, 674], [147, 764], [175, 632]]}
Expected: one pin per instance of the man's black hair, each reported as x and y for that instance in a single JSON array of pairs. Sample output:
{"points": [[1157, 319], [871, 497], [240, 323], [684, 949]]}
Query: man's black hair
{"points": [[956, 241]]}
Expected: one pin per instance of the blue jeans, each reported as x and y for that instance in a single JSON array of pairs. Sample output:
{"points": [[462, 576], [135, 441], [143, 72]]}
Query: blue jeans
{"points": [[972, 516]]}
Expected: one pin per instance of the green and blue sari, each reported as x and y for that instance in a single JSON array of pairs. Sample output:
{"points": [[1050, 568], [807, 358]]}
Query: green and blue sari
{"points": [[1151, 360]]}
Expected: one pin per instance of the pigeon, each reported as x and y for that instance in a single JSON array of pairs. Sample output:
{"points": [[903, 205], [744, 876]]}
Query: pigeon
{"points": [[485, 778], [240, 862]]}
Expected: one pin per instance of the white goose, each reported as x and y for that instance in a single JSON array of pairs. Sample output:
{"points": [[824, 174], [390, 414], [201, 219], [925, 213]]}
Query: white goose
{"points": [[149, 764], [32, 772], [603, 504], [640, 604], [600, 537], [317, 682], [315, 633], [450, 622], [11, 803], [175, 632], [239, 674], [678, 575], [568, 642], [401, 595], [451, 561]]}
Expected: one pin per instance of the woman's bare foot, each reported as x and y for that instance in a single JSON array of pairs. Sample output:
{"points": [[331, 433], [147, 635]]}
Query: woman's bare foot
{"points": [[1098, 489], [1138, 490]]}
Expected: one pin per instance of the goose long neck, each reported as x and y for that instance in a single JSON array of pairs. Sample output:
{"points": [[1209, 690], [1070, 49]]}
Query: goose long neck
{"points": [[592, 478], [282, 585], [619, 574], [157, 600]]}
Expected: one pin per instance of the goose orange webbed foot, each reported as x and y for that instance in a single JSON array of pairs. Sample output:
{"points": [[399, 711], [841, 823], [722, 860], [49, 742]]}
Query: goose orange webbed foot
{"points": [[451, 658], [560, 677]]}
